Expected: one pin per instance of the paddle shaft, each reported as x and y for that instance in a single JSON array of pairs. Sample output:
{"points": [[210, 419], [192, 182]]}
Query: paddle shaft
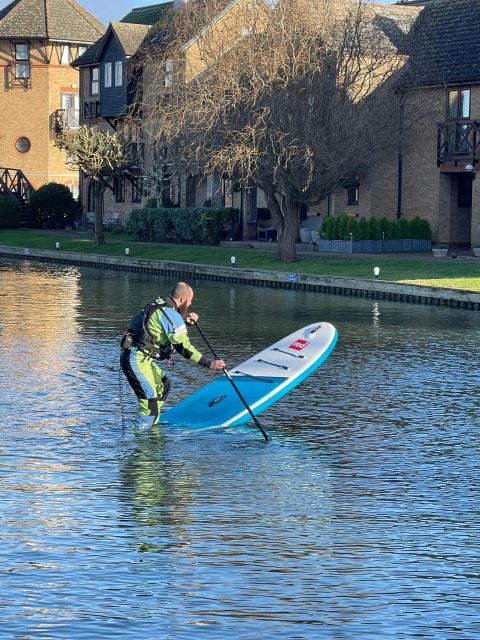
{"points": [[232, 382]]}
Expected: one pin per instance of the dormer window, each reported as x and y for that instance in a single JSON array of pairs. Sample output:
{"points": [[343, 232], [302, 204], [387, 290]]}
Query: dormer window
{"points": [[458, 104]]}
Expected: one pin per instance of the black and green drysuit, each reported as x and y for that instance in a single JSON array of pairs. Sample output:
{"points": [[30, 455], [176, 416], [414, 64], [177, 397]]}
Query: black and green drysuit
{"points": [[154, 333]]}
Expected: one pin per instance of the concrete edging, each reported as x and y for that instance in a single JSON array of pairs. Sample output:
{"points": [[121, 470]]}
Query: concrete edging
{"points": [[376, 289]]}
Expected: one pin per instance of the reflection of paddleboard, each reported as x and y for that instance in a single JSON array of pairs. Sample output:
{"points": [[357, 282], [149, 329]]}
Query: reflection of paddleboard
{"points": [[262, 380]]}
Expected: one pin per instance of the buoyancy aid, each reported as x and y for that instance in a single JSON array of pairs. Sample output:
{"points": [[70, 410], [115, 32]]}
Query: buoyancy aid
{"points": [[142, 338]]}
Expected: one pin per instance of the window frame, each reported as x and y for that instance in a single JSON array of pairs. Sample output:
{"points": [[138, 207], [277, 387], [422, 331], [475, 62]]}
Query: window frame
{"points": [[65, 59], [107, 75], [94, 81], [119, 188], [458, 102], [118, 75], [27, 47]]}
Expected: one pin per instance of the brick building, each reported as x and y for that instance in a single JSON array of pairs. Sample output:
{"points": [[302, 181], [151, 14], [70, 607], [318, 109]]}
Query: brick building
{"points": [[40, 90], [433, 173]]}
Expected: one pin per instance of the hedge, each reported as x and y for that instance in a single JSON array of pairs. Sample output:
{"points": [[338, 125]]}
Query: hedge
{"points": [[345, 228], [10, 212], [53, 206], [204, 225]]}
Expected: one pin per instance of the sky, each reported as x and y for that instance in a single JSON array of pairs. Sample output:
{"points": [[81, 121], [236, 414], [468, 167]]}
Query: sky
{"points": [[113, 10]]}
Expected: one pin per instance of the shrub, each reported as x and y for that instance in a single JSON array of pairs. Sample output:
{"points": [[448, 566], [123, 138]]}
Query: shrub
{"points": [[10, 212], [52, 206], [329, 228], [374, 231], [182, 225], [363, 229], [420, 229], [342, 233], [404, 227], [352, 229]]}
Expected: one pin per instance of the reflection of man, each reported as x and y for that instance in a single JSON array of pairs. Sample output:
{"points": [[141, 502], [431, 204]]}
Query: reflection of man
{"points": [[154, 333]]}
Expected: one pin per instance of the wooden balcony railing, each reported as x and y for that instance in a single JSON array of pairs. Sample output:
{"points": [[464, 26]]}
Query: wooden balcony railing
{"points": [[14, 182], [458, 141], [62, 119], [91, 109]]}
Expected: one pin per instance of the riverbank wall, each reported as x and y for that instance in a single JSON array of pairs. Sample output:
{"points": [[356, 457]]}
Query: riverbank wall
{"points": [[365, 288]]}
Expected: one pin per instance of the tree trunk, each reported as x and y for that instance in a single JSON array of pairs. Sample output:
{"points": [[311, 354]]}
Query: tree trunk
{"points": [[287, 225], [98, 206]]}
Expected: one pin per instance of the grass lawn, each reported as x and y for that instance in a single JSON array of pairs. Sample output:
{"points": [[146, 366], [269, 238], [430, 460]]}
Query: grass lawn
{"points": [[413, 269]]}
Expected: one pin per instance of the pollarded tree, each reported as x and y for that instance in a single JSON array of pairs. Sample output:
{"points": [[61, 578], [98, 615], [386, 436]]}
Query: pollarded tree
{"points": [[99, 155], [295, 96]]}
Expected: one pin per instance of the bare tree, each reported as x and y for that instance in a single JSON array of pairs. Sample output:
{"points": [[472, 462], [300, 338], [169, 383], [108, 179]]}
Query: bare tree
{"points": [[297, 97], [99, 155]]}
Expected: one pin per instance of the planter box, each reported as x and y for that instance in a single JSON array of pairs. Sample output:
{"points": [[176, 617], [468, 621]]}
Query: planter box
{"points": [[440, 252], [373, 246], [476, 251]]}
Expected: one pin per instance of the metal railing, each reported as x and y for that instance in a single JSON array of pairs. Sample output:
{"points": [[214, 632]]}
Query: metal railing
{"points": [[458, 141]]}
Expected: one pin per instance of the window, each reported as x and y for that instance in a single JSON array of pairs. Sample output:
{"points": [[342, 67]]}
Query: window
{"points": [[81, 51], [22, 61], [137, 190], [458, 103], [118, 73], [94, 73], [65, 55], [119, 188], [22, 51], [352, 196], [22, 145], [108, 74]]}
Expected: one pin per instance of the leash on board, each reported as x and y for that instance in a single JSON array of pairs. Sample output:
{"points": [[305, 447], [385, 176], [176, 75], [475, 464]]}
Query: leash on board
{"points": [[232, 382], [120, 397]]}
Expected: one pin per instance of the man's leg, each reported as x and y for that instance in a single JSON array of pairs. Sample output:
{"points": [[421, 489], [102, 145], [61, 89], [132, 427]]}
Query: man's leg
{"points": [[142, 375]]}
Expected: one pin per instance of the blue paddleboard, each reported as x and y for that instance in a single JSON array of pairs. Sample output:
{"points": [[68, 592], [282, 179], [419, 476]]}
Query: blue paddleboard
{"points": [[262, 380]]}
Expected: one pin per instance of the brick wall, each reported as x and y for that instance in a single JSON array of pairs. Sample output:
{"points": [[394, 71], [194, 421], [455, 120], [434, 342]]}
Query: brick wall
{"points": [[27, 112]]}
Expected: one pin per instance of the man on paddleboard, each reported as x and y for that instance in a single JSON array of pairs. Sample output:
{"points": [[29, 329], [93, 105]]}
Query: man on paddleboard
{"points": [[155, 333]]}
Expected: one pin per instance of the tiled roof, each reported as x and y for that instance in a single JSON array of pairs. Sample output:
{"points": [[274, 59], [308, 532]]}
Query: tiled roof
{"points": [[445, 43], [150, 14], [130, 35], [395, 21], [50, 20]]}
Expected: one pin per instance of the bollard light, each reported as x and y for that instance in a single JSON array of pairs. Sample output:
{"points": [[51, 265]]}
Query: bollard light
{"points": [[376, 271], [127, 251], [57, 245], [233, 261]]}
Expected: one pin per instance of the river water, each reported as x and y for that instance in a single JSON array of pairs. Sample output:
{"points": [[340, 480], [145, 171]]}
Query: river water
{"points": [[360, 519]]}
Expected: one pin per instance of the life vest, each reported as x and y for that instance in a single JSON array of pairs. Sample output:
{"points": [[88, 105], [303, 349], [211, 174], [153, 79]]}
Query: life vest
{"points": [[142, 338]]}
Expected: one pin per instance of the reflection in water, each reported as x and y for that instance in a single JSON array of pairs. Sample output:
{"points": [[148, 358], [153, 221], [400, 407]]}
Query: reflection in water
{"points": [[157, 492], [359, 520]]}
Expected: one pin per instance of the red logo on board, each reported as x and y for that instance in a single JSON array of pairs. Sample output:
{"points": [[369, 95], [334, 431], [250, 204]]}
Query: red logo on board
{"points": [[299, 344]]}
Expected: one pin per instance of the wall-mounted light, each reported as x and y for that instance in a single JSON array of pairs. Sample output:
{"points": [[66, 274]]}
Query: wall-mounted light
{"points": [[469, 168]]}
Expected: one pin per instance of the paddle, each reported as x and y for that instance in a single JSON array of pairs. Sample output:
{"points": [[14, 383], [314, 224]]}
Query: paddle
{"points": [[232, 382]]}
